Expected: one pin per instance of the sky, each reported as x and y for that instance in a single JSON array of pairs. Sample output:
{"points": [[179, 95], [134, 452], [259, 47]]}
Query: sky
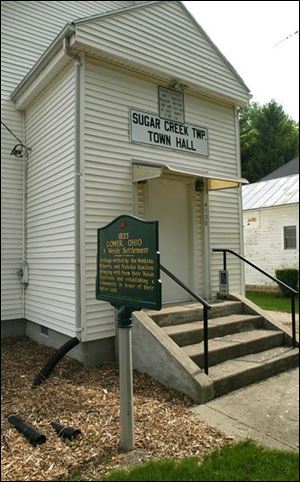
{"points": [[252, 36]]}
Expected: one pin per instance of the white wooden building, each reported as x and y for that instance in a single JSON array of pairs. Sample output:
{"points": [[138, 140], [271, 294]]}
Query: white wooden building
{"points": [[125, 107], [271, 225]]}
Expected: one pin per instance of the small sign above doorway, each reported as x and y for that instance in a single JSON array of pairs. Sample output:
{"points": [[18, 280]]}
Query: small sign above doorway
{"points": [[171, 104]]}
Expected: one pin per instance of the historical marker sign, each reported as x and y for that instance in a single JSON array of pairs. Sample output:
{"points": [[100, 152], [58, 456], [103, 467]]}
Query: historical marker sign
{"points": [[128, 263]]}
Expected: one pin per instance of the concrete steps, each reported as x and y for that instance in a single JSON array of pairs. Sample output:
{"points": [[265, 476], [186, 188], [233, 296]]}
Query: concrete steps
{"points": [[180, 314], [244, 346], [192, 332], [237, 373], [233, 346]]}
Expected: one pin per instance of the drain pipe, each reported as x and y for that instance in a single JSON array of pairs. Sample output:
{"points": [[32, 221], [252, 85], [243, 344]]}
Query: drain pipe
{"points": [[23, 271], [78, 64], [65, 432], [34, 436], [53, 361], [58, 355]]}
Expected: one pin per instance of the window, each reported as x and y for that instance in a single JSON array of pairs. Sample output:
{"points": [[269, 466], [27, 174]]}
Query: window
{"points": [[289, 233]]}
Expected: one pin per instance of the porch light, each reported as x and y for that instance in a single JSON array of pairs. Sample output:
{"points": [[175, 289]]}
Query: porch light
{"points": [[199, 185]]}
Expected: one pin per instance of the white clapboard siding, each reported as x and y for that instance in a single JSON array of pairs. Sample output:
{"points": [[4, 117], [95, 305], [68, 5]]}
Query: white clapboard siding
{"points": [[12, 305], [110, 92], [27, 30], [38, 23], [162, 36], [50, 295], [225, 232]]}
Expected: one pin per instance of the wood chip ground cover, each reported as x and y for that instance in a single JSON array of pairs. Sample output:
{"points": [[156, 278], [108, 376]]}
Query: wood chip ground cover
{"points": [[88, 399]]}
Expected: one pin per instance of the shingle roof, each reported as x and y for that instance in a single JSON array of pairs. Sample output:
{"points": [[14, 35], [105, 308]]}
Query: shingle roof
{"points": [[272, 192], [291, 167]]}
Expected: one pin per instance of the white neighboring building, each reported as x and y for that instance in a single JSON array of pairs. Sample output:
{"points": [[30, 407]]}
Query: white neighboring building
{"points": [[271, 226]]}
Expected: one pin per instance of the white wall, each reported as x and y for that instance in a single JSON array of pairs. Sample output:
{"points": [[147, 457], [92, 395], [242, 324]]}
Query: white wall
{"points": [[110, 92], [263, 238], [50, 131], [107, 151], [27, 29], [225, 232]]}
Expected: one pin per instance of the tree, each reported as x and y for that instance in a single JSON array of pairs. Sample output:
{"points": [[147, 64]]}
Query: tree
{"points": [[269, 139]]}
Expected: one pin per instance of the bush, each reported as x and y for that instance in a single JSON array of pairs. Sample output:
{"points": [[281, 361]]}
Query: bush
{"points": [[290, 277]]}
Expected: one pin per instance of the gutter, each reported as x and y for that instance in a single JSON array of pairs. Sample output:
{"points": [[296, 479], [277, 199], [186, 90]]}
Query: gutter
{"points": [[118, 11], [78, 65]]}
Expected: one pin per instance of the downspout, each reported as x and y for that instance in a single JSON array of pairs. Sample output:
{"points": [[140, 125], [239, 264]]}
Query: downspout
{"points": [[24, 278], [240, 199], [78, 64]]}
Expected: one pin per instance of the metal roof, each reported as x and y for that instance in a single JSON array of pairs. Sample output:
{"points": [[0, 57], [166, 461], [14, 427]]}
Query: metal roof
{"points": [[272, 192], [289, 168]]}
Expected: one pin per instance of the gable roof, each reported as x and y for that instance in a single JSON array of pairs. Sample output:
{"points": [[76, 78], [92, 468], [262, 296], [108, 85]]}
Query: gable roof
{"points": [[272, 192], [155, 37], [165, 38], [186, 12], [288, 169]]}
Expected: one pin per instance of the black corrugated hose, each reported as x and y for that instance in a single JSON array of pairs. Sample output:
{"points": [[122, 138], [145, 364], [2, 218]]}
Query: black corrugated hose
{"points": [[34, 436], [65, 432], [53, 360]]}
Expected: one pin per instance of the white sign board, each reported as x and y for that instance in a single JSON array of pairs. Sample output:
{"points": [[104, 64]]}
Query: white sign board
{"points": [[170, 104], [147, 128]]}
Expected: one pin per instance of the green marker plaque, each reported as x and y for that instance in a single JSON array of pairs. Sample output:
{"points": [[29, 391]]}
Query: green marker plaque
{"points": [[128, 265]]}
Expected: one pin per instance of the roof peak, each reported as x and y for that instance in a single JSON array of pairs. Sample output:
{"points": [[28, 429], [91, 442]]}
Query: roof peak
{"points": [[288, 169]]}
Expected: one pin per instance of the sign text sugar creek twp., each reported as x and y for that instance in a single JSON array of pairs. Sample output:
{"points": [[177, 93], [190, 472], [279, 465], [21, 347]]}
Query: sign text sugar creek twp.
{"points": [[150, 129]]}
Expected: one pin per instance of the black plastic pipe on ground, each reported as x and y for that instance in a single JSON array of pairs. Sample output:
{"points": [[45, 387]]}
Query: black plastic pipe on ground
{"points": [[35, 437], [53, 360], [65, 432]]}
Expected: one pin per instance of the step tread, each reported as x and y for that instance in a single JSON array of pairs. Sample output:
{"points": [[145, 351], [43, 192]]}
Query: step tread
{"points": [[196, 325], [237, 366], [189, 305], [230, 340]]}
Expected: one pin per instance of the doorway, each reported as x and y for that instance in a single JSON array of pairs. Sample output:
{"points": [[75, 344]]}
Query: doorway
{"points": [[168, 202]]}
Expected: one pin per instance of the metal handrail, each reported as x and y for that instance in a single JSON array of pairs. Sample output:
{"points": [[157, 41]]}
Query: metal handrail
{"points": [[206, 307], [294, 292]]}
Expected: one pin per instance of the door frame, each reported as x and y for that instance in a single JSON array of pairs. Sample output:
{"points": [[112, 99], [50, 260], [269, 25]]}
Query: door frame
{"points": [[197, 267]]}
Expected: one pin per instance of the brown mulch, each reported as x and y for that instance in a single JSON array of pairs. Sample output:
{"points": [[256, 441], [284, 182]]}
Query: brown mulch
{"points": [[88, 399]]}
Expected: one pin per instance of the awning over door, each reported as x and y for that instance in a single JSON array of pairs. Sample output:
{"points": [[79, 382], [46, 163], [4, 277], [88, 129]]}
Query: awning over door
{"points": [[143, 171]]}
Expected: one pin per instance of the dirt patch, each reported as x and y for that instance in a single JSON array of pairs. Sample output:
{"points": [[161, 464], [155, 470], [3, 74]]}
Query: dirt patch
{"points": [[88, 399]]}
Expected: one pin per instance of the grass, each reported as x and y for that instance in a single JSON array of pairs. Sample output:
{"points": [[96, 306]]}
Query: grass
{"points": [[243, 461], [271, 301]]}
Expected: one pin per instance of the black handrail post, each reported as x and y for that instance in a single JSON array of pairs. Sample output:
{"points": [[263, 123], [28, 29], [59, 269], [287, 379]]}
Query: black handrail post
{"points": [[205, 329], [206, 307], [224, 260], [291, 290], [293, 320]]}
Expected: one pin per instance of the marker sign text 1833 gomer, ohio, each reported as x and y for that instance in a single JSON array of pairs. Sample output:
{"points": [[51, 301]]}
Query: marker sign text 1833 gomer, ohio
{"points": [[128, 263], [148, 128]]}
